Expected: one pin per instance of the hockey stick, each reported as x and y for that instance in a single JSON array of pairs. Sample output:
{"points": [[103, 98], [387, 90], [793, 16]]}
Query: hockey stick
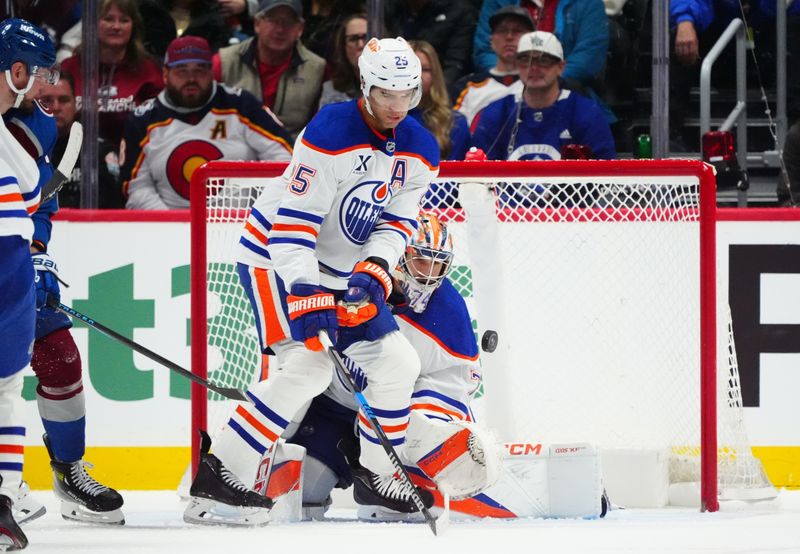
{"points": [[233, 394], [382, 438], [66, 165]]}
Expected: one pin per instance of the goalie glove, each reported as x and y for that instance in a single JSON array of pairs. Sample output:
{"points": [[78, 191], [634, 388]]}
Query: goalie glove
{"points": [[311, 310], [46, 279], [368, 288], [459, 456]]}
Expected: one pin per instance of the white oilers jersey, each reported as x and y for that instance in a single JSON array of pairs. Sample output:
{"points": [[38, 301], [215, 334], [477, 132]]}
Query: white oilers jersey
{"points": [[164, 144], [19, 187], [348, 194], [443, 338]]}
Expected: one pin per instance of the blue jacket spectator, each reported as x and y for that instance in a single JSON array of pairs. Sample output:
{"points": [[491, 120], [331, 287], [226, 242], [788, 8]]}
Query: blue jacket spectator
{"points": [[580, 25], [703, 12]]}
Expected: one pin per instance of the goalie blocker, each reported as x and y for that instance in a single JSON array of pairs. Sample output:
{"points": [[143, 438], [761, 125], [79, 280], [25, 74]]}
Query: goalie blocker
{"points": [[512, 480]]}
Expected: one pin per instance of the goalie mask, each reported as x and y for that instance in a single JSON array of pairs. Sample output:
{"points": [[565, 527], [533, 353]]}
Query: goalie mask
{"points": [[390, 64], [426, 262], [22, 41]]}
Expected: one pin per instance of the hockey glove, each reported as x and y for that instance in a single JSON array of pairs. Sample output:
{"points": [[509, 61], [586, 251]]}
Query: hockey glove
{"points": [[311, 310], [367, 291], [46, 279]]}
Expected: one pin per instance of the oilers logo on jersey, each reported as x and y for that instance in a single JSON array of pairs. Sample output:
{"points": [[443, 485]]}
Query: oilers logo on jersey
{"points": [[361, 208]]}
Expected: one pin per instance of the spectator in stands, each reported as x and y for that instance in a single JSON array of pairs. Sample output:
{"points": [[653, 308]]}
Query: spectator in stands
{"points": [[477, 90], [697, 24], [448, 126], [128, 73], [323, 19], [61, 18], [580, 25], [344, 83], [548, 118], [167, 19], [791, 158], [60, 99], [193, 120], [275, 66], [448, 26]]}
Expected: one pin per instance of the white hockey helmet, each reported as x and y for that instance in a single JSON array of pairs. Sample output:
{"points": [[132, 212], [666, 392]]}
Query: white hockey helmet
{"points": [[419, 273], [390, 63]]}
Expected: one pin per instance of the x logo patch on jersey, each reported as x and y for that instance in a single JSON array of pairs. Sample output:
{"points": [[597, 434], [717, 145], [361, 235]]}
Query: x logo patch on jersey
{"points": [[362, 163]]}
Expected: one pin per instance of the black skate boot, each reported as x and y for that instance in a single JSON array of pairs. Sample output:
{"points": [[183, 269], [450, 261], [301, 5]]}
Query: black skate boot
{"points": [[387, 491], [383, 491], [218, 497], [11, 536], [83, 498]]}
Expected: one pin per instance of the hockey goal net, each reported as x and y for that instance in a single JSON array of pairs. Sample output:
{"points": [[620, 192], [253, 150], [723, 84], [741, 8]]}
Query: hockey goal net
{"points": [[599, 278]]}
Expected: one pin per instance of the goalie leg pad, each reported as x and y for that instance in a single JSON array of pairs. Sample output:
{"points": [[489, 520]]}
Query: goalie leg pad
{"points": [[459, 456]]}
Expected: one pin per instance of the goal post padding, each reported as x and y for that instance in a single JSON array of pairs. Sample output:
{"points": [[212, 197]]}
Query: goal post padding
{"points": [[599, 276]]}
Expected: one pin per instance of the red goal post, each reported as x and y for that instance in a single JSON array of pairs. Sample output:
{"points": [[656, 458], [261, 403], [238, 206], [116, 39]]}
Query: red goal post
{"points": [[631, 196]]}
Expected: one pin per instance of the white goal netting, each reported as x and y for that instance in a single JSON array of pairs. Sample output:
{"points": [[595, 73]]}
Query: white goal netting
{"points": [[589, 272]]}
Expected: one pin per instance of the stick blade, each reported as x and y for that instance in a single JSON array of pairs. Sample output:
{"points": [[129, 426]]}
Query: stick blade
{"points": [[230, 393], [72, 150]]}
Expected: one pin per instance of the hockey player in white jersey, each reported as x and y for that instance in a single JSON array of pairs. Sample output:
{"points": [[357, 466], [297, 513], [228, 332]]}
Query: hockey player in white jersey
{"points": [[444, 445], [329, 231], [26, 57]]}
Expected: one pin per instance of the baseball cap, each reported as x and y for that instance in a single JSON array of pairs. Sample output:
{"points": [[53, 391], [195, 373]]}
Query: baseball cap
{"points": [[541, 41], [266, 5], [511, 11], [187, 49]]}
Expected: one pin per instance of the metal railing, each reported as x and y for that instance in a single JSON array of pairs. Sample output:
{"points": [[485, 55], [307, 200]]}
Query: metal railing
{"points": [[738, 115]]}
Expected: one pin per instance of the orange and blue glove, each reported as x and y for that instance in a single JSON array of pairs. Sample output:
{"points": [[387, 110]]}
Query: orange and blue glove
{"points": [[367, 291], [311, 310]]}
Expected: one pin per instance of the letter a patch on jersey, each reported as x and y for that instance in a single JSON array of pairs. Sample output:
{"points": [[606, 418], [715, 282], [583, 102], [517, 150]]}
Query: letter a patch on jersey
{"points": [[398, 174], [220, 131]]}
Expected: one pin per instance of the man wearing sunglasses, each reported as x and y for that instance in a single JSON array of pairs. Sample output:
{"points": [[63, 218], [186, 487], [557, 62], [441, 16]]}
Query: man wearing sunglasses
{"points": [[548, 117]]}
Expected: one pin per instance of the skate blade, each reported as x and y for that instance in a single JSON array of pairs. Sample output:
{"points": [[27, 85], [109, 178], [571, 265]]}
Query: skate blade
{"points": [[204, 511], [25, 511], [76, 512], [381, 514]]}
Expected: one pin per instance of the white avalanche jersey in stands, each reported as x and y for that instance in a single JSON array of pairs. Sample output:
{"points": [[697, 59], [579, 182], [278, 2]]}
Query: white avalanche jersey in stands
{"points": [[19, 187], [349, 193], [164, 144], [443, 337]]}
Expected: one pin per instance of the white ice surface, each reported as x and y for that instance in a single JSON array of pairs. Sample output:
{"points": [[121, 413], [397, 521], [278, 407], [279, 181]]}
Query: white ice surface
{"points": [[154, 524]]}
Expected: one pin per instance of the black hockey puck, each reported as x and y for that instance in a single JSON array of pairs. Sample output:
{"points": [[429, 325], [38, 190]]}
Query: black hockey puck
{"points": [[489, 341]]}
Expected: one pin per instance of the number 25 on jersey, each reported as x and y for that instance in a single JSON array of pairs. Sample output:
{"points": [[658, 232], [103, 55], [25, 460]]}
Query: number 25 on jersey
{"points": [[301, 180]]}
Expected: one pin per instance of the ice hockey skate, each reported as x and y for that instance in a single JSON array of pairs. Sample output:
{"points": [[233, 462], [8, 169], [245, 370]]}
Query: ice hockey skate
{"points": [[82, 497], [11, 536], [218, 497], [26, 508], [387, 491]]}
